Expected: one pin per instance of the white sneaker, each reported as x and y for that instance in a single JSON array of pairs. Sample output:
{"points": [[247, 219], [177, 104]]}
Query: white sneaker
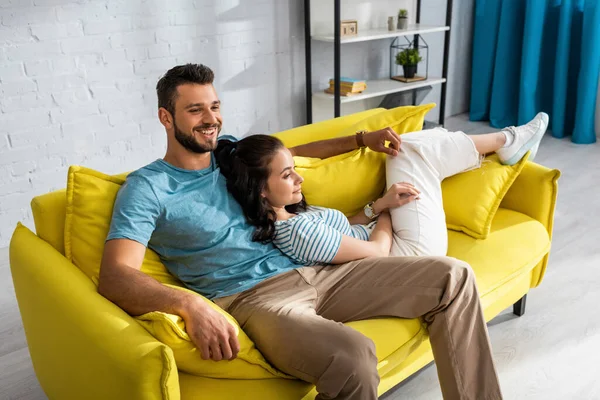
{"points": [[526, 138]]}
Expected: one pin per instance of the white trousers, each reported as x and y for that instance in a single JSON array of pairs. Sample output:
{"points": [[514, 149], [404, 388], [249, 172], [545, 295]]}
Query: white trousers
{"points": [[424, 160]]}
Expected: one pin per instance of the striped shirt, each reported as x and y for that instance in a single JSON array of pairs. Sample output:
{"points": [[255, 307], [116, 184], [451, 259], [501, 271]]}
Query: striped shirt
{"points": [[314, 237]]}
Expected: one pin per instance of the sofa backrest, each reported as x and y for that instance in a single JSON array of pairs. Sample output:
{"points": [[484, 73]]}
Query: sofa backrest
{"points": [[328, 129], [49, 210]]}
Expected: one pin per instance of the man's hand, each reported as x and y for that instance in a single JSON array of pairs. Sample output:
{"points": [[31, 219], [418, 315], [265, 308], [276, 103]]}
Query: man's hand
{"points": [[376, 141], [398, 195], [122, 282], [210, 331]]}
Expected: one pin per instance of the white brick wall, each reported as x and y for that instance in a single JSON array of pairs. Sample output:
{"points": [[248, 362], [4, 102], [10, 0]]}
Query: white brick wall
{"points": [[77, 81]]}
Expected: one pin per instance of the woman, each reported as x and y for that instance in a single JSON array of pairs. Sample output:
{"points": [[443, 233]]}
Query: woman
{"points": [[261, 176]]}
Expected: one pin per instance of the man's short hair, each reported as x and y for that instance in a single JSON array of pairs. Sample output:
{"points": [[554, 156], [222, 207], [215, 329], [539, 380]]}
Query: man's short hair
{"points": [[166, 88]]}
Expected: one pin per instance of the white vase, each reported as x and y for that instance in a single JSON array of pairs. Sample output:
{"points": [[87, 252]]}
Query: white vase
{"points": [[391, 25]]}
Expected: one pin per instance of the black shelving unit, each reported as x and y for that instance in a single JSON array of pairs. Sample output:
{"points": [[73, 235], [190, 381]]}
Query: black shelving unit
{"points": [[337, 55]]}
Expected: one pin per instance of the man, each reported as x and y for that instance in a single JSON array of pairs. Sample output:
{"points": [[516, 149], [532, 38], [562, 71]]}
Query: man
{"points": [[179, 206]]}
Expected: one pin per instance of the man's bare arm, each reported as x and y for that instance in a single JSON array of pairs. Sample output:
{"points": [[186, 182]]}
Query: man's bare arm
{"points": [[122, 282], [332, 147], [326, 148]]}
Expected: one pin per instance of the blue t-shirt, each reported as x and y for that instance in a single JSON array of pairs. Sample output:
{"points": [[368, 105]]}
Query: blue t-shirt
{"points": [[196, 226]]}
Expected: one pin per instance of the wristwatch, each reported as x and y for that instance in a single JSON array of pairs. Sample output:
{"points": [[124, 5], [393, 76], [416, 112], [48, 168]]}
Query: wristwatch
{"points": [[370, 212], [359, 138]]}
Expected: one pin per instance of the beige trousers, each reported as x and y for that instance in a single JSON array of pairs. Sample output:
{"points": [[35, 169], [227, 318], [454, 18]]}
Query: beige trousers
{"points": [[296, 319]]}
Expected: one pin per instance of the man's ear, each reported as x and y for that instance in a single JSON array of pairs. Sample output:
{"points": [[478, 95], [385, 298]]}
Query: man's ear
{"points": [[165, 118]]}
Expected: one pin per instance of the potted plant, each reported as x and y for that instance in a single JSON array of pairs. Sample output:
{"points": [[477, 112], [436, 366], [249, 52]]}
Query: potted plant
{"points": [[402, 18], [408, 58]]}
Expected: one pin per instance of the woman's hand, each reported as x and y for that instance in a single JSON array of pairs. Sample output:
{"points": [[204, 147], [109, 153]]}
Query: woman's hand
{"points": [[397, 195]]}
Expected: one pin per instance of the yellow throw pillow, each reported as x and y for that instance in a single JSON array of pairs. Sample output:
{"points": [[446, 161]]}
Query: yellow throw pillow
{"points": [[401, 119], [90, 199], [346, 182], [349, 181], [170, 330], [472, 198], [323, 130]]}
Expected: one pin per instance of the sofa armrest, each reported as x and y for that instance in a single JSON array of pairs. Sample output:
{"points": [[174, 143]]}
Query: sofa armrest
{"points": [[534, 194], [49, 211], [83, 346]]}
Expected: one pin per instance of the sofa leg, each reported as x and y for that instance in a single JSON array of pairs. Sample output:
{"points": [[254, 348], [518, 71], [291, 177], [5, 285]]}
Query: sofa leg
{"points": [[519, 306]]}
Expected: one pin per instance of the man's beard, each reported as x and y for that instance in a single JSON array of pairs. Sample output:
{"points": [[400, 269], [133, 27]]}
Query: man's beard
{"points": [[192, 144]]}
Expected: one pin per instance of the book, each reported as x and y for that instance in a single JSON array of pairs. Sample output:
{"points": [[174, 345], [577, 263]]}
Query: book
{"points": [[348, 87], [363, 83], [354, 88], [342, 93], [348, 80]]}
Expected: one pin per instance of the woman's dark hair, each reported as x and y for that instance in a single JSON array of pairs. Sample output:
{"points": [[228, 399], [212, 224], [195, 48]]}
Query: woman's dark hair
{"points": [[166, 88], [245, 165]]}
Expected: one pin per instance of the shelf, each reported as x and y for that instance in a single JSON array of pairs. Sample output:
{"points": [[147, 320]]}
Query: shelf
{"points": [[381, 87], [376, 34]]}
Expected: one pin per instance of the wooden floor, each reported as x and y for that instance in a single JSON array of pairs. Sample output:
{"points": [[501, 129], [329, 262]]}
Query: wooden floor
{"points": [[551, 353]]}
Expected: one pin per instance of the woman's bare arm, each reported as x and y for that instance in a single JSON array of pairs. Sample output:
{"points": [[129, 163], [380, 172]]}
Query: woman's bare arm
{"points": [[397, 195], [379, 243]]}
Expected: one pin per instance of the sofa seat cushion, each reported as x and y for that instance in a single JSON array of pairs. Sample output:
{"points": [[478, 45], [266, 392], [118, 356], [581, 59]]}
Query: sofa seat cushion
{"points": [[515, 245], [394, 338]]}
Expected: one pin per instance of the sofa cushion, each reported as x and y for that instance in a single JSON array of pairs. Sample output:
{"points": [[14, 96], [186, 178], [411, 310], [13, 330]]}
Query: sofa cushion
{"points": [[515, 245], [90, 199], [472, 198], [349, 181], [345, 182], [323, 130], [394, 338], [170, 330]]}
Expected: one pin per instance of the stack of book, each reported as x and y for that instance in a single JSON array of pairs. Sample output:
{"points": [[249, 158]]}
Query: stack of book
{"points": [[348, 86]]}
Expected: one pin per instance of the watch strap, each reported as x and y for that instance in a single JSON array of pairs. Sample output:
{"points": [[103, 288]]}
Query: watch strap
{"points": [[359, 139]]}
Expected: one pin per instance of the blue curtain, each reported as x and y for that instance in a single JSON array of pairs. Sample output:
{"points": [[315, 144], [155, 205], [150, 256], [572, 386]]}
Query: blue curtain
{"points": [[537, 55]]}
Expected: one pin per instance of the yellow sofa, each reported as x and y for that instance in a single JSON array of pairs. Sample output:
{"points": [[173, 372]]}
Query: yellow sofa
{"points": [[84, 347]]}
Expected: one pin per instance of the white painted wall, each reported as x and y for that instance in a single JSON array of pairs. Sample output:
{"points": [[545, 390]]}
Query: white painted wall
{"points": [[459, 61], [77, 81]]}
